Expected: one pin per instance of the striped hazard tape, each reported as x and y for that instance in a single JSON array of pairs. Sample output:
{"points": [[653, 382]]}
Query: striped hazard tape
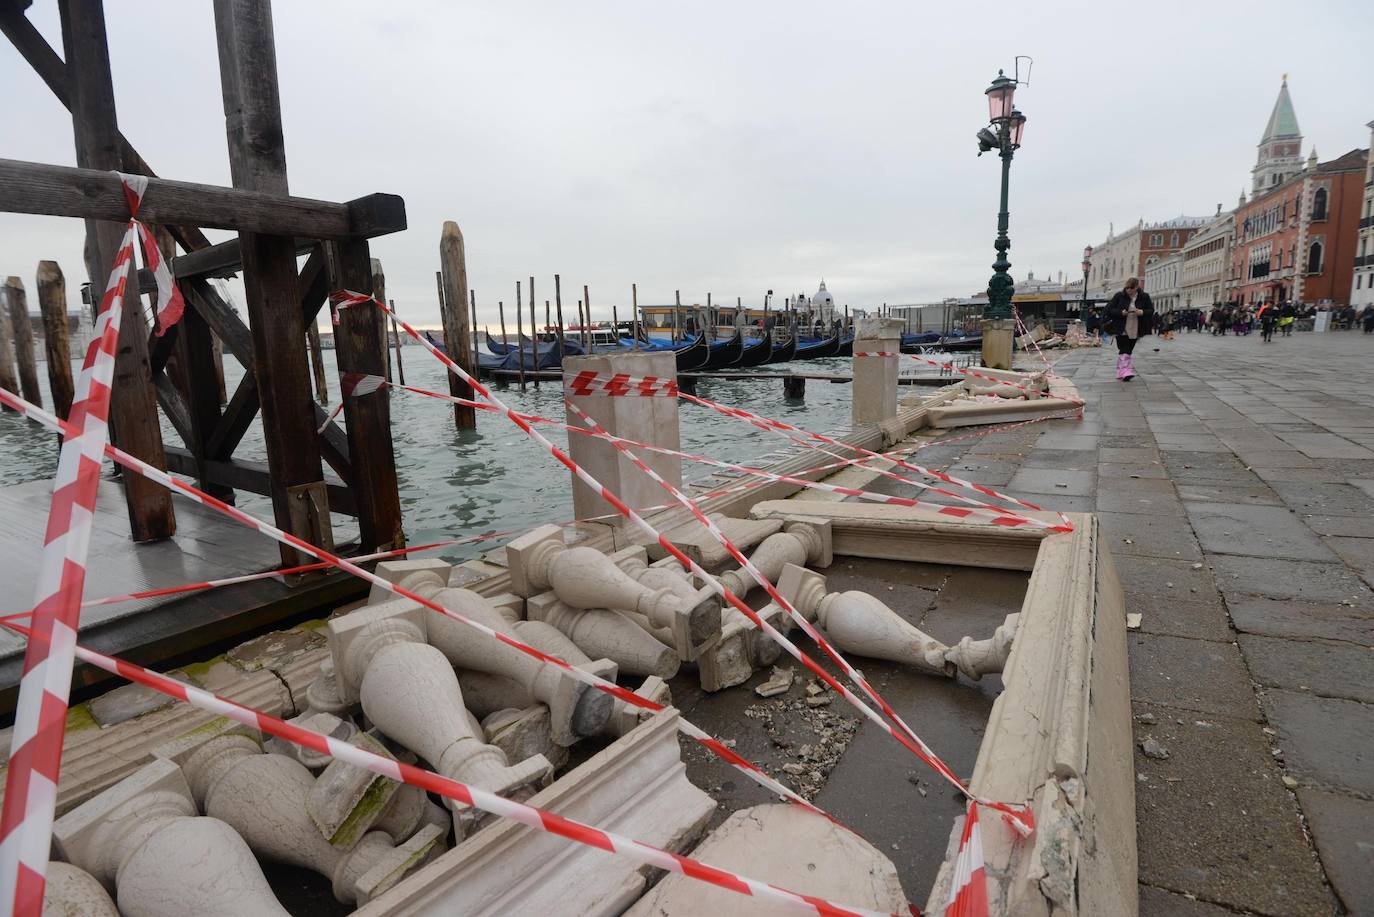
{"points": [[968, 892], [590, 382], [41, 709]]}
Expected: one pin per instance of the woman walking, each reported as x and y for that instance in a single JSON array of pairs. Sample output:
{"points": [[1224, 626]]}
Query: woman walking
{"points": [[1129, 315]]}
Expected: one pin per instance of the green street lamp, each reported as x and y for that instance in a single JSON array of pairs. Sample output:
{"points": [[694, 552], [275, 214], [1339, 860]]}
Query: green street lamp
{"points": [[1004, 135]]}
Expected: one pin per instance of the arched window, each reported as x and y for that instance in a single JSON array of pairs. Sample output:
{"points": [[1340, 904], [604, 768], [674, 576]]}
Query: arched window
{"points": [[1319, 204], [1314, 258], [1173, 241]]}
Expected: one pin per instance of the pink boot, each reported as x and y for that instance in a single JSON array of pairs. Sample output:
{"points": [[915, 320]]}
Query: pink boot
{"points": [[1130, 369], [1122, 362]]}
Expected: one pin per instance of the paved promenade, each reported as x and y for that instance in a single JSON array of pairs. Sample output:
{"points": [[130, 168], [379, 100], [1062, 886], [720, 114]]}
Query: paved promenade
{"points": [[1235, 483]]}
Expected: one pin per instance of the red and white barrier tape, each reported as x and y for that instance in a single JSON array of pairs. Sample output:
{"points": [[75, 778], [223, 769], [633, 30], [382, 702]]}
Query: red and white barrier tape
{"points": [[467, 794], [998, 516], [1025, 332], [964, 370], [1017, 815], [190, 492], [41, 710], [968, 890], [589, 382], [351, 384]]}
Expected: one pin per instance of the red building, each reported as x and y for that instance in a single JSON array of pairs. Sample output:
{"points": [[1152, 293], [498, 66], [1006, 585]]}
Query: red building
{"points": [[1296, 235]]}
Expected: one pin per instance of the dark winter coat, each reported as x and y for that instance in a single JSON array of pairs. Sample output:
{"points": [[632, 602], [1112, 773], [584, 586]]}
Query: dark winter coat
{"points": [[1114, 321]]}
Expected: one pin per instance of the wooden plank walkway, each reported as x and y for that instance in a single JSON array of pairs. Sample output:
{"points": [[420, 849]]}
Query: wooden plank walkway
{"points": [[553, 375], [152, 631]]}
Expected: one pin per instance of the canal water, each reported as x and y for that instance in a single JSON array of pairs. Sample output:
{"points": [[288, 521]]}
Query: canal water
{"points": [[494, 479]]}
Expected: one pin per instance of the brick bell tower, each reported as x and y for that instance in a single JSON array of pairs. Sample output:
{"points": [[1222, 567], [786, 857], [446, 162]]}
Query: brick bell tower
{"points": [[1280, 149]]}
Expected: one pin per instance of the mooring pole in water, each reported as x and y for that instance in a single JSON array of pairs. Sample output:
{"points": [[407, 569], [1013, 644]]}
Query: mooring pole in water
{"points": [[793, 386], [519, 334], [52, 300], [21, 329], [677, 306], [460, 335], [396, 341], [634, 313], [312, 340], [558, 307], [472, 295], [615, 323], [589, 339], [534, 335], [379, 293]]}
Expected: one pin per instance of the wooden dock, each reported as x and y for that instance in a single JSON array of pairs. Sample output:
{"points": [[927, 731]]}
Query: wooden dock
{"points": [[157, 632], [507, 376]]}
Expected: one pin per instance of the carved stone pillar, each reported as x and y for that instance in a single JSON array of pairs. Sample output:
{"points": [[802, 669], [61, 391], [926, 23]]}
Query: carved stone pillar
{"points": [[976, 658], [409, 690], [605, 634], [585, 578], [72, 892], [263, 797], [858, 623], [143, 838]]}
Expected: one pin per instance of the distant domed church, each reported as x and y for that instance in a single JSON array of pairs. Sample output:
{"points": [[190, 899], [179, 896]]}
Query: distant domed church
{"points": [[823, 304]]}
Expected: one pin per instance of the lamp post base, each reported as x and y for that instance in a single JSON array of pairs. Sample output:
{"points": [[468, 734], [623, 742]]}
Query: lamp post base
{"points": [[997, 341]]}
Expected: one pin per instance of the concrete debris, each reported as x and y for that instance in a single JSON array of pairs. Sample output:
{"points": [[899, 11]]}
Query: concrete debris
{"points": [[1147, 719], [1153, 749], [779, 682]]}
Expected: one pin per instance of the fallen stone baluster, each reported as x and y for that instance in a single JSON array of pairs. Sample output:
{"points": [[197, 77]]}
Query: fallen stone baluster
{"points": [[347, 802], [624, 717], [72, 892], [585, 578], [859, 623], [576, 709], [409, 691], [976, 658], [144, 839], [605, 634], [800, 543], [263, 797]]}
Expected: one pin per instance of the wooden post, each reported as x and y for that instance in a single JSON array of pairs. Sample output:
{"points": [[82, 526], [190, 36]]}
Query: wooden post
{"points": [[257, 162], [218, 347], [52, 300], [534, 335], [519, 333], [21, 331], [360, 347], [588, 338], [133, 405], [634, 318], [312, 338], [379, 291], [505, 341], [582, 328], [472, 297], [8, 379], [396, 339], [558, 306], [615, 323], [459, 336]]}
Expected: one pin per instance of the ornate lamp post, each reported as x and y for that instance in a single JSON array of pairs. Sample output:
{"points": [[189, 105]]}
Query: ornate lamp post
{"points": [[1087, 266], [1007, 125], [1004, 136]]}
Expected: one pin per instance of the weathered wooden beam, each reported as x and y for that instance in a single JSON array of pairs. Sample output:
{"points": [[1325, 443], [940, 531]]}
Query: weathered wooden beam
{"points": [[254, 477], [52, 300], [8, 379], [379, 293], [257, 164], [22, 330], [133, 407], [360, 347], [29, 187]]}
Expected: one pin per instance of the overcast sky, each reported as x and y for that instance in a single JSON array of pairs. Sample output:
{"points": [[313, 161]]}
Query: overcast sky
{"points": [[723, 147]]}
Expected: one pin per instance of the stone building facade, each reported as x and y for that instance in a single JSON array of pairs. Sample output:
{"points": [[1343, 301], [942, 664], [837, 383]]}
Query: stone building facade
{"points": [[1132, 252], [1362, 293], [1161, 281], [1328, 231], [1206, 263]]}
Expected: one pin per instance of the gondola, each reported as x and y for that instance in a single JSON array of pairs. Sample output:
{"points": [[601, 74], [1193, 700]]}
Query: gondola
{"points": [[972, 342], [500, 348], [694, 355], [846, 346], [725, 354], [821, 349], [757, 353], [916, 343], [782, 353]]}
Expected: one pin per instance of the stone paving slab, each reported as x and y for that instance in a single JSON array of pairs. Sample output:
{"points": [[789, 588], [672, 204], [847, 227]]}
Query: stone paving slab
{"points": [[1275, 617], [1255, 492], [1204, 676], [1069, 483], [1152, 536], [1146, 504], [1219, 786], [1256, 531], [1344, 831], [1326, 668], [1328, 743], [1289, 579]]}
